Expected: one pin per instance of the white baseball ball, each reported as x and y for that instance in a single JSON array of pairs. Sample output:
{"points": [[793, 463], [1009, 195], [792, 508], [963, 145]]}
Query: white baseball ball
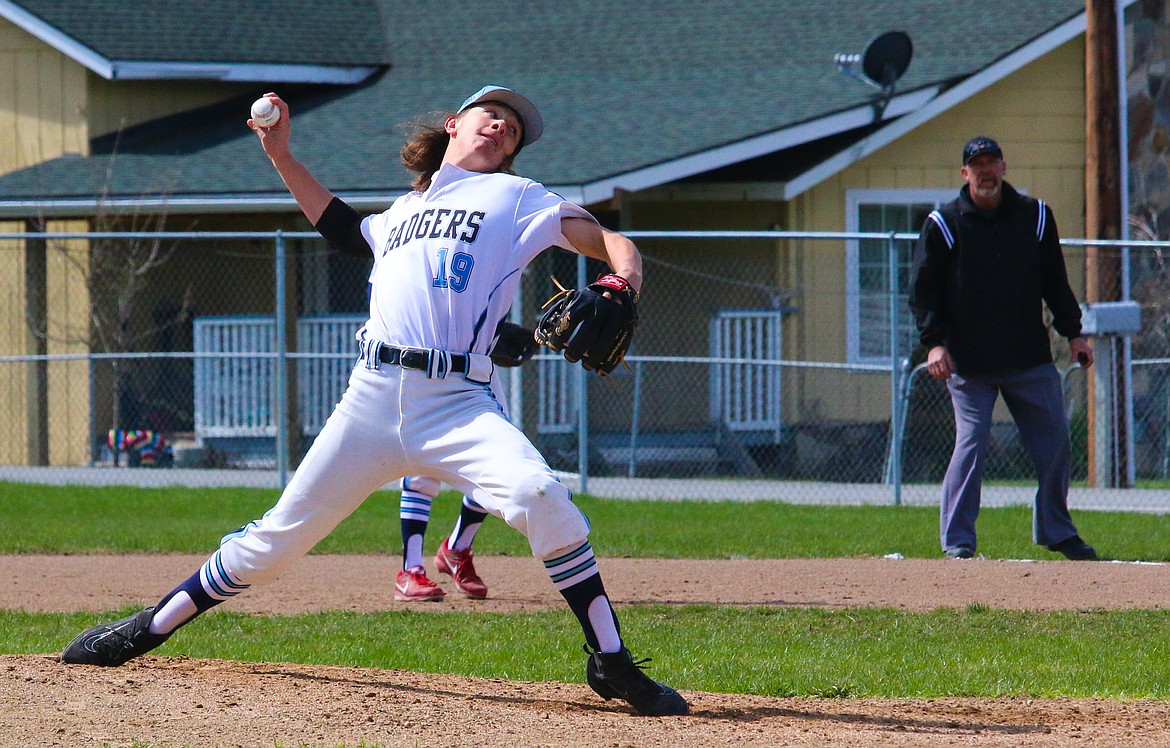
{"points": [[264, 112]]}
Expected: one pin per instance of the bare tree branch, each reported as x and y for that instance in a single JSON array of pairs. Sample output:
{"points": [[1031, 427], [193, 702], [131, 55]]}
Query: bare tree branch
{"points": [[117, 273]]}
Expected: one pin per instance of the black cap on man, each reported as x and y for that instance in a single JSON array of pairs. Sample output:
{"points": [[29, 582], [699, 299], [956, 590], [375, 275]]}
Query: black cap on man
{"points": [[978, 146]]}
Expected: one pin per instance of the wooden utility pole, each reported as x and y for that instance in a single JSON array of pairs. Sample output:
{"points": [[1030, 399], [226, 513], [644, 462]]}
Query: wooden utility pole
{"points": [[1103, 221]]}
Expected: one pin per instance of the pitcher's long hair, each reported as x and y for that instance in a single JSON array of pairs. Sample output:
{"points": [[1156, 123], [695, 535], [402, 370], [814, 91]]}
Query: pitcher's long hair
{"points": [[423, 151]]}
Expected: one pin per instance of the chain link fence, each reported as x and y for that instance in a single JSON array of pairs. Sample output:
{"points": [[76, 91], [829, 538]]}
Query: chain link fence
{"points": [[769, 365]]}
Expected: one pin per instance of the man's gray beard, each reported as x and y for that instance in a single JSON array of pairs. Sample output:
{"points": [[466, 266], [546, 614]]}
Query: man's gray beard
{"points": [[989, 192]]}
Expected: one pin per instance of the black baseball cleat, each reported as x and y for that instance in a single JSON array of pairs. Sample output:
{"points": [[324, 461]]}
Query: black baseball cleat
{"points": [[960, 551], [1075, 549], [113, 644], [617, 676]]}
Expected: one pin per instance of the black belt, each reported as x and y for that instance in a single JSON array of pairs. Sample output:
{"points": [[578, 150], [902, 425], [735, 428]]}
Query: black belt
{"points": [[420, 358]]}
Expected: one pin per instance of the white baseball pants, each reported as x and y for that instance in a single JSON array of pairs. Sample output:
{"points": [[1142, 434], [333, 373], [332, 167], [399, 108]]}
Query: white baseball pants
{"points": [[393, 422]]}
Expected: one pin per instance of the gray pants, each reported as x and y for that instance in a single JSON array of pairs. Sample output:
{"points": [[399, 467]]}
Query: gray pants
{"points": [[1036, 403]]}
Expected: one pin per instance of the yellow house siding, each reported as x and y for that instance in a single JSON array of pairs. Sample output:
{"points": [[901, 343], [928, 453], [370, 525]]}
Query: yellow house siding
{"points": [[686, 281], [51, 105], [42, 116], [821, 286], [64, 427], [14, 379], [68, 381], [120, 104], [42, 101], [817, 331], [1036, 114], [13, 333]]}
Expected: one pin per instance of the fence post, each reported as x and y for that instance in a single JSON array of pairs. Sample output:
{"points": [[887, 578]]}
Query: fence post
{"points": [[895, 380], [632, 469], [582, 403], [95, 449], [905, 384], [281, 378], [1127, 410]]}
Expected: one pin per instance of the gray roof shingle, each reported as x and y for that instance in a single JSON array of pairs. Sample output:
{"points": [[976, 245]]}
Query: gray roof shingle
{"points": [[349, 32], [622, 86]]}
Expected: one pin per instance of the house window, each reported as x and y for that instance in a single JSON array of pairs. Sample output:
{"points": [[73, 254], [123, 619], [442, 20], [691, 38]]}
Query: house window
{"points": [[868, 269]]}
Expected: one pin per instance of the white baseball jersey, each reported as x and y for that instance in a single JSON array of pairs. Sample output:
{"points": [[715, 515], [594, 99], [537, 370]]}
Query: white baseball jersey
{"points": [[447, 262]]}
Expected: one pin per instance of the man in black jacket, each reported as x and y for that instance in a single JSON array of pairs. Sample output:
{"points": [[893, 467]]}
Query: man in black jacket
{"points": [[984, 266]]}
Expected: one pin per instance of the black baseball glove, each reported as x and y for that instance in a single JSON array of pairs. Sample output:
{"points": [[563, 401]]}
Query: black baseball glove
{"points": [[515, 344], [594, 325]]}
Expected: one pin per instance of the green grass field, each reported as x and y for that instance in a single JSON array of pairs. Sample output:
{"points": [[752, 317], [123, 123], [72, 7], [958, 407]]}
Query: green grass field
{"points": [[75, 519], [763, 650]]}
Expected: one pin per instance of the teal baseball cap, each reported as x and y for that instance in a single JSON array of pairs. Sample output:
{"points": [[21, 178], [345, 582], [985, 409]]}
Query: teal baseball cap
{"points": [[530, 118]]}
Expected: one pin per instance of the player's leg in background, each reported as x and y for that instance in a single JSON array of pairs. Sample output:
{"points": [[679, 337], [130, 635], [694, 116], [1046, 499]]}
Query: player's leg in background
{"points": [[455, 557], [414, 513], [471, 516]]}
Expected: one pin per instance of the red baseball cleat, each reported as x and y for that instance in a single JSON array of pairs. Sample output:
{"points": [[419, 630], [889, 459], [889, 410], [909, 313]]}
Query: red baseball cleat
{"points": [[412, 585], [459, 566]]}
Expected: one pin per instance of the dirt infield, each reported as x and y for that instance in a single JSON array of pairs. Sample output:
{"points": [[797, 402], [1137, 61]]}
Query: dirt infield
{"points": [[160, 701]]}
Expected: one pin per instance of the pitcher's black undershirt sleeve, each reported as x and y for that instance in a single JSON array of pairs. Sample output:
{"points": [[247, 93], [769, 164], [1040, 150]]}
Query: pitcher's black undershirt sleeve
{"points": [[342, 228]]}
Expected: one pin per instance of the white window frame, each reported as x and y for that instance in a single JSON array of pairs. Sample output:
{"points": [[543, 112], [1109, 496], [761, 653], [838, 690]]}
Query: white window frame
{"points": [[854, 199]]}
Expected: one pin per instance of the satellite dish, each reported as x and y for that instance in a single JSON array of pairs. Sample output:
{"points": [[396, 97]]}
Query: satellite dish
{"points": [[883, 62], [886, 58]]}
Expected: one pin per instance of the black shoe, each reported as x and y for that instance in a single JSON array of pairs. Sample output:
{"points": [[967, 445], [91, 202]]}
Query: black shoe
{"points": [[617, 676], [113, 644], [961, 551], [1075, 549]]}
